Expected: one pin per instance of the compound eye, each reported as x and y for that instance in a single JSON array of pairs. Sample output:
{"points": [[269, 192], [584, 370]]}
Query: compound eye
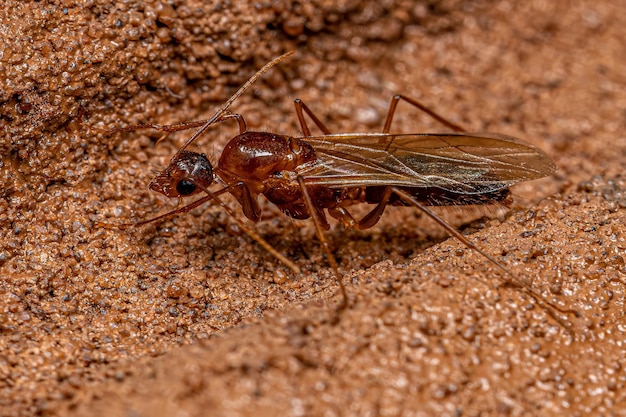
{"points": [[185, 187]]}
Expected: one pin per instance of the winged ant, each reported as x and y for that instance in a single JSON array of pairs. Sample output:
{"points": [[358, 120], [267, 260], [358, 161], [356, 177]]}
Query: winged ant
{"points": [[316, 176]]}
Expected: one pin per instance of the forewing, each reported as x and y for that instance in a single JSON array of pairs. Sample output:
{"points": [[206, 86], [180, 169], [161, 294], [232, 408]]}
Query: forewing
{"points": [[464, 163]]}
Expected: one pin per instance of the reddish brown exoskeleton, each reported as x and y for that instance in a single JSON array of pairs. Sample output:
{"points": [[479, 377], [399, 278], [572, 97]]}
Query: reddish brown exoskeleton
{"points": [[316, 176]]}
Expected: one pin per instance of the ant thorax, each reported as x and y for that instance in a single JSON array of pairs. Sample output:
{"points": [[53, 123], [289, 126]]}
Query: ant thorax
{"points": [[256, 157], [268, 164]]}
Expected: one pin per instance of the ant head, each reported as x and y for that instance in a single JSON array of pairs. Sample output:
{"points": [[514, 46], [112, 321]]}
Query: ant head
{"points": [[187, 174]]}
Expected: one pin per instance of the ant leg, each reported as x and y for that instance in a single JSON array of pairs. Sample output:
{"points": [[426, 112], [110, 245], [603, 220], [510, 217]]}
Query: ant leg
{"points": [[344, 216], [369, 220], [249, 204], [300, 106], [176, 211], [394, 103], [539, 299], [374, 216], [183, 209], [247, 229], [176, 127], [324, 242]]}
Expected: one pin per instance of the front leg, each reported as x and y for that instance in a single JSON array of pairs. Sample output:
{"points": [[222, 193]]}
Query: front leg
{"points": [[249, 203], [176, 127]]}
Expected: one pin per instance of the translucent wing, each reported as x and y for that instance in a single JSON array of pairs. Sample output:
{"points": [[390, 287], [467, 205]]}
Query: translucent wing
{"points": [[464, 163]]}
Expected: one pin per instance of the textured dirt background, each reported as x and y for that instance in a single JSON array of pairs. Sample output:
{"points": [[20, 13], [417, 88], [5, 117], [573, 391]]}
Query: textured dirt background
{"points": [[189, 317]]}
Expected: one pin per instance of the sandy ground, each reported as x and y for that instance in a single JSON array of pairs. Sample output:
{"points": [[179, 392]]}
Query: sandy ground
{"points": [[190, 317]]}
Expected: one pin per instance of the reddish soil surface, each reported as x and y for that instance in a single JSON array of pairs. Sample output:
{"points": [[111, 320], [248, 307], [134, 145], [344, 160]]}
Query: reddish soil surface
{"points": [[188, 316]]}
